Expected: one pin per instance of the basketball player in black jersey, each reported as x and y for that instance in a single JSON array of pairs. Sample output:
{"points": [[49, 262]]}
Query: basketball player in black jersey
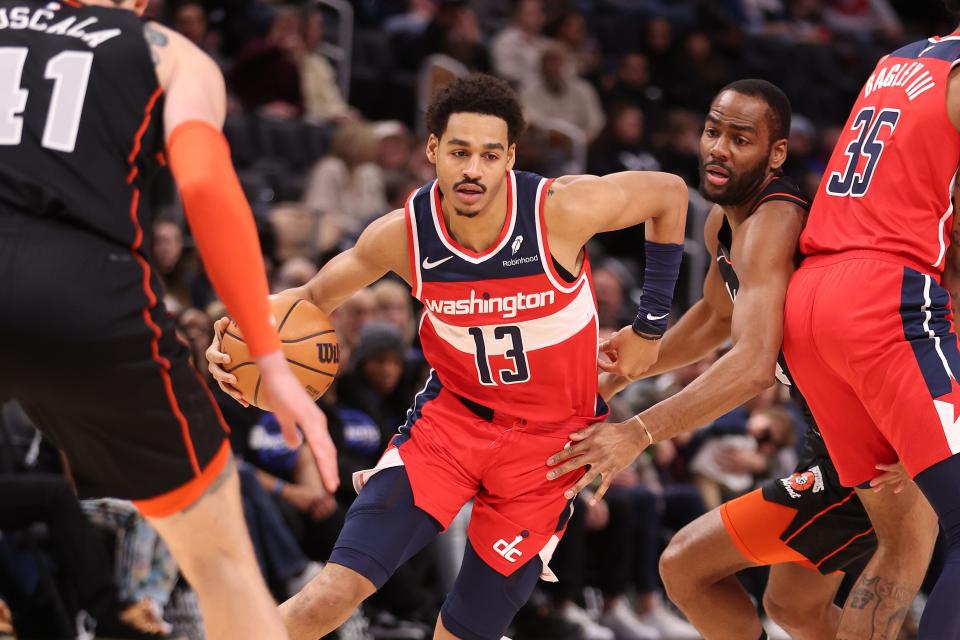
{"points": [[94, 101], [808, 526]]}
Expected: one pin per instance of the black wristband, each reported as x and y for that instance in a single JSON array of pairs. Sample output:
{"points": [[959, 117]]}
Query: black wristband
{"points": [[646, 329]]}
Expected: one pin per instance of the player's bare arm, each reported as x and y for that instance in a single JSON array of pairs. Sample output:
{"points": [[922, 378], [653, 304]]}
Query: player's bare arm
{"points": [[764, 253], [381, 248], [579, 207], [703, 328]]}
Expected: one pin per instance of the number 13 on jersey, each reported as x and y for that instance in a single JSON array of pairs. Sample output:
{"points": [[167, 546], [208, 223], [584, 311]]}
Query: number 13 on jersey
{"points": [[514, 353]]}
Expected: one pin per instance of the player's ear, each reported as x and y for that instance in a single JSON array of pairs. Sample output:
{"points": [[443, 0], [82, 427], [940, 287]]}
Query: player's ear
{"points": [[139, 6], [511, 155], [778, 153], [432, 143]]}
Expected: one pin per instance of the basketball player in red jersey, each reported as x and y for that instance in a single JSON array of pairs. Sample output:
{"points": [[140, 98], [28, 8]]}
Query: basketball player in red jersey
{"points": [[510, 328], [96, 100], [868, 330], [807, 527]]}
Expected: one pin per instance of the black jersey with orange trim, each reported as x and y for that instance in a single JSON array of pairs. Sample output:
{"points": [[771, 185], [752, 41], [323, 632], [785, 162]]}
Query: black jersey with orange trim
{"points": [[780, 189], [79, 143], [71, 146]]}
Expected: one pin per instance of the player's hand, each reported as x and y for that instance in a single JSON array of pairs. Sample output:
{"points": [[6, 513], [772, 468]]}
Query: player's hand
{"points": [[323, 507], [629, 354], [894, 477], [610, 384], [607, 448], [216, 358], [293, 407]]}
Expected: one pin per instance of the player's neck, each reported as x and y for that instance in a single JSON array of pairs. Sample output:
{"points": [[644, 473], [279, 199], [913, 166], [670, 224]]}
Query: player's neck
{"points": [[480, 232], [737, 213]]}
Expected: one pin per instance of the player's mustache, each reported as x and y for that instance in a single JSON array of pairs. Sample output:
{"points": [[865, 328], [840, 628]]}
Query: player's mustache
{"points": [[720, 165], [475, 183]]}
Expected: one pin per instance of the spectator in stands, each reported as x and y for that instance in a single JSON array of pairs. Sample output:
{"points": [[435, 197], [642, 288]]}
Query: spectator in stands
{"points": [[698, 73], [864, 20], [620, 147], [677, 145], [394, 306], [516, 51], [349, 320], [570, 32], [190, 20], [196, 328], [454, 32], [346, 187], [557, 94], [266, 74], [632, 85], [291, 476], [612, 282], [411, 24], [174, 265], [294, 272], [322, 100]]}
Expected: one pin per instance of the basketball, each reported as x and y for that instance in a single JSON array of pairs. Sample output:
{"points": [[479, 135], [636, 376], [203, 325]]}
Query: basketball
{"points": [[309, 344]]}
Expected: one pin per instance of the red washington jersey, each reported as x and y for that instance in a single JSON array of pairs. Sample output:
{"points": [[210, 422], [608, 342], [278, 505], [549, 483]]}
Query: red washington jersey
{"points": [[888, 186], [503, 328]]}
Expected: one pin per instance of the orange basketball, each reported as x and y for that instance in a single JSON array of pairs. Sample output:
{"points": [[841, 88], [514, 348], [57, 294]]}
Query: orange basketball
{"points": [[309, 344]]}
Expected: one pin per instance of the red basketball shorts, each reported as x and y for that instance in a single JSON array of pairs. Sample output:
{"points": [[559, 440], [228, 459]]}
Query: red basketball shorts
{"points": [[452, 455], [870, 344]]}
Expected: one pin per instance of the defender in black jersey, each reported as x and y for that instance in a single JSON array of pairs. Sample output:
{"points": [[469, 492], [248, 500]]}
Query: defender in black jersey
{"points": [[95, 102], [808, 526]]}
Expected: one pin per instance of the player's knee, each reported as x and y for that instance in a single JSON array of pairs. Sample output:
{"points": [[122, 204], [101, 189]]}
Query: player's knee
{"points": [[339, 586], [793, 617], [483, 602], [675, 569]]}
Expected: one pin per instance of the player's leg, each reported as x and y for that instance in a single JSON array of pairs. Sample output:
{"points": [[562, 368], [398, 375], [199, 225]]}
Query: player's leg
{"points": [[800, 600], [383, 529], [906, 530], [941, 485], [219, 563], [895, 361], [698, 568]]}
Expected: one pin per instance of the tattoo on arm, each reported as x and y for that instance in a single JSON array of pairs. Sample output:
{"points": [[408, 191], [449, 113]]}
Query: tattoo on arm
{"points": [[155, 39], [888, 601]]}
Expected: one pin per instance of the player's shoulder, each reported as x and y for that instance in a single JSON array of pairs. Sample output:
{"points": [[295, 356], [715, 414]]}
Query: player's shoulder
{"points": [[173, 54], [781, 189]]}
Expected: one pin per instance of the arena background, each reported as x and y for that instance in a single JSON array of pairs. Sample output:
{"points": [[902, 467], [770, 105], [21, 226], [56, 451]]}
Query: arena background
{"points": [[326, 130]]}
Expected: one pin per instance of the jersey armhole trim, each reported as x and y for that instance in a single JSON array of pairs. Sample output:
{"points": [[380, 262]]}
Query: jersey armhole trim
{"points": [[413, 245]]}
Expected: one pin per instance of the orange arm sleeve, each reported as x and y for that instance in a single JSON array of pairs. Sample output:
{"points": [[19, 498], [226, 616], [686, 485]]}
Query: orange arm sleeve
{"points": [[223, 227]]}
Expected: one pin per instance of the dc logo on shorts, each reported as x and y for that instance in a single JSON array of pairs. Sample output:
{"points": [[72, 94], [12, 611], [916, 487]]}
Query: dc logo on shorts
{"points": [[799, 482], [509, 549]]}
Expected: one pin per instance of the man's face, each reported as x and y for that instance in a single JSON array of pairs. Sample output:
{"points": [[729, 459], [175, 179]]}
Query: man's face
{"points": [[167, 245], [383, 371], [472, 157], [736, 153], [192, 23]]}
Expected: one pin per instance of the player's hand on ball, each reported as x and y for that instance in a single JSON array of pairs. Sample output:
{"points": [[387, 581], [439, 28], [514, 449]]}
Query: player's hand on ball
{"points": [[608, 448], [215, 358], [894, 477], [293, 407], [629, 355]]}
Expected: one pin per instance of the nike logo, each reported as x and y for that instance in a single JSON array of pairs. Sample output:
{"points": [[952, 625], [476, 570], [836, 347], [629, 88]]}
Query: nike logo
{"points": [[430, 265], [650, 316]]}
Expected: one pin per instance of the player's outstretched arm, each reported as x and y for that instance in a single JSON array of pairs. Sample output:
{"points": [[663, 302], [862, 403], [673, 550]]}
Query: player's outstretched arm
{"points": [[578, 207], [382, 247], [766, 264], [704, 327], [223, 227]]}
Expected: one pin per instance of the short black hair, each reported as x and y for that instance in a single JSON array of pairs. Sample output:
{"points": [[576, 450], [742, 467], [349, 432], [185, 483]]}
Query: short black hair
{"points": [[778, 104], [476, 93]]}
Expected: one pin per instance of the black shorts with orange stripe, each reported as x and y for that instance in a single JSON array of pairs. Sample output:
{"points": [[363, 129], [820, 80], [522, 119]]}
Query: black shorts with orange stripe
{"points": [[93, 357], [808, 518]]}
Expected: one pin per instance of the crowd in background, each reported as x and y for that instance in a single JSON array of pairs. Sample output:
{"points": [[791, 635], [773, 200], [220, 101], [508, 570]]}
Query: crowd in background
{"points": [[632, 79]]}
